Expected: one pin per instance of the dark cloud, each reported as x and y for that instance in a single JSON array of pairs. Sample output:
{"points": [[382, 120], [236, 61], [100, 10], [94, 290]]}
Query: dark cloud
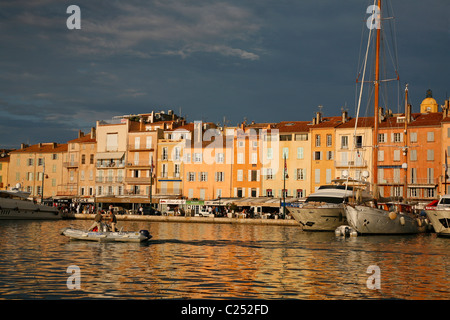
{"points": [[261, 60]]}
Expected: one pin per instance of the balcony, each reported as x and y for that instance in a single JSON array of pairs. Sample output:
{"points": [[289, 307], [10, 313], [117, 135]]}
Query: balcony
{"points": [[70, 164], [110, 164], [133, 147], [109, 179], [169, 191], [136, 164], [423, 181], [137, 180], [350, 164]]}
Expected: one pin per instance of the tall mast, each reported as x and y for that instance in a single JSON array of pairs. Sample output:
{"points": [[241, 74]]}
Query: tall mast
{"points": [[376, 107], [405, 147]]}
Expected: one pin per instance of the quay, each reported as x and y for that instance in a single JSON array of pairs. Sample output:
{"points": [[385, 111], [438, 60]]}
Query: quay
{"points": [[184, 219]]}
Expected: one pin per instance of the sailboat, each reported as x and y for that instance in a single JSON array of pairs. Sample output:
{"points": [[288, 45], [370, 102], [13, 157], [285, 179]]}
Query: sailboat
{"points": [[373, 217]]}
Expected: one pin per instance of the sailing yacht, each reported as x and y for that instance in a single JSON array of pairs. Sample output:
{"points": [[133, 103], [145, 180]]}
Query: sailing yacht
{"points": [[372, 217]]}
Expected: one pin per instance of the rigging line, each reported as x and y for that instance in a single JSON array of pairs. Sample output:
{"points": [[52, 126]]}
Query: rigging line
{"points": [[360, 95]]}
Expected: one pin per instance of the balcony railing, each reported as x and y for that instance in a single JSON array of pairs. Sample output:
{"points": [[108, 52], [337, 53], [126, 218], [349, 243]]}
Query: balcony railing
{"points": [[110, 164], [138, 164], [137, 180], [70, 164], [109, 179], [351, 164], [169, 191], [133, 147]]}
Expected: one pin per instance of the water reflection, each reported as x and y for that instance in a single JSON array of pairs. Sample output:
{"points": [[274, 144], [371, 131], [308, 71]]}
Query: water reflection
{"points": [[208, 261]]}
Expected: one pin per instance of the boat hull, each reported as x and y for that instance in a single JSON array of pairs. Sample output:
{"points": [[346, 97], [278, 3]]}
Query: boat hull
{"points": [[128, 236], [320, 218], [440, 219], [368, 220], [12, 209]]}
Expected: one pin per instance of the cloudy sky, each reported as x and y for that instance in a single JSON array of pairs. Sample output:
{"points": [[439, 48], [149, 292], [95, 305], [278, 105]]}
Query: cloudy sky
{"points": [[265, 60]]}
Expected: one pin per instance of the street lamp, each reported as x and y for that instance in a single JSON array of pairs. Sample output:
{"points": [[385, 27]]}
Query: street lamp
{"points": [[285, 175]]}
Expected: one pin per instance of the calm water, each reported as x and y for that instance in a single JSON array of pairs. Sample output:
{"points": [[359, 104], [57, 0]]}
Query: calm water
{"points": [[214, 261]]}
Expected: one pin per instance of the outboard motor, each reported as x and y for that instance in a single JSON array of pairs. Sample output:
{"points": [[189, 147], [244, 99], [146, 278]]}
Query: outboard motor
{"points": [[347, 232], [145, 233]]}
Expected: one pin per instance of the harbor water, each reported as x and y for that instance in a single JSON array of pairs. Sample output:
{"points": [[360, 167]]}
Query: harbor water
{"points": [[219, 261]]}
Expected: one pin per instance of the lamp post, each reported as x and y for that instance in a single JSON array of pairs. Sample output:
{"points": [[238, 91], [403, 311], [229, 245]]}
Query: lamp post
{"points": [[285, 175]]}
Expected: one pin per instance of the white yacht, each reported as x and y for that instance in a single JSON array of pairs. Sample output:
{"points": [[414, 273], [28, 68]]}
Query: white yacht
{"points": [[385, 218], [15, 206], [439, 215], [324, 210]]}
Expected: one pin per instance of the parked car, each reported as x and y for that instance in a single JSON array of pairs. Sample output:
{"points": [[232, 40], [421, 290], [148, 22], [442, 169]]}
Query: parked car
{"points": [[204, 213], [151, 211]]}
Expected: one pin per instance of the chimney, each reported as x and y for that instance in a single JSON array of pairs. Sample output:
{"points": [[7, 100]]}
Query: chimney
{"points": [[344, 116], [80, 134], [54, 145], [40, 144], [318, 117], [23, 146], [445, 108], [197, 131], [93, 133]]}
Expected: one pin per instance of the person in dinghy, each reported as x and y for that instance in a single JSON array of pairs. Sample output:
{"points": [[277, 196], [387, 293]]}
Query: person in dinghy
{"points": [[97, 222]]}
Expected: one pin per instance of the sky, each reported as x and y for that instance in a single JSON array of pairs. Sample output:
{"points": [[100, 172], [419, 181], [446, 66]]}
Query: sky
{"points": [[232, 60]]}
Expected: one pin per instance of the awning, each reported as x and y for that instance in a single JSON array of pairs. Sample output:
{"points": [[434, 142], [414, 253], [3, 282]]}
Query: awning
{"points": [[109, 155]]}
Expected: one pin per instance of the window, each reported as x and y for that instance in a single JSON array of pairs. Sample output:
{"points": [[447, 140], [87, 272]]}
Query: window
{"points": [[177, 155], [220, 176], [203, 176], [328, 176], [269, 153], [344, 142], [396, 175], [301, 174], [301, 137], [317, 140], [112, 142], [381, 137], [285, 137], [240, 158], [358, 141], [269, 193], [413, 175], [430, 136], [397, 137], [329, 155], [241, 144], [329, 140], [165, 154], [285, 153], [413, 155], [240, 175], [269, 175], [430, 155], [191, 177], [40, 161], [380, 155], [396, 155], [220, 158], [413, 137], [54, 156], [254, 158], [317, 155], [430, 175], [197, 157], [30, 162], [176, 172], [317, 176], [300, 153], [148, 142]]}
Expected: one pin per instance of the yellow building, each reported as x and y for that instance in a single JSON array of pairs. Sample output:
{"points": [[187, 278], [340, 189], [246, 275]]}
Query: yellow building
{"points": [[79, 169], [38, 167], [322, 130], [4, 165], [353, 149], [290, 140]]}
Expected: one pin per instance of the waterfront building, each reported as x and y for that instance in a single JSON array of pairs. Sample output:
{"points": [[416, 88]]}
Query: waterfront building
{"points": [[247, 162], [38, 169], [445, 154], [112, 140], [322, 132], [79, 169], [4, 165], [208, 166], [290, 141], [353, 147], [141, 160]]}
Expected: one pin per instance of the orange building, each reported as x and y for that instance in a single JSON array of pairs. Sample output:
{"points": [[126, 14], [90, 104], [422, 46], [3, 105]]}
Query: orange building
{"points": [[322, 131], [247, 164], [27, 164]]}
